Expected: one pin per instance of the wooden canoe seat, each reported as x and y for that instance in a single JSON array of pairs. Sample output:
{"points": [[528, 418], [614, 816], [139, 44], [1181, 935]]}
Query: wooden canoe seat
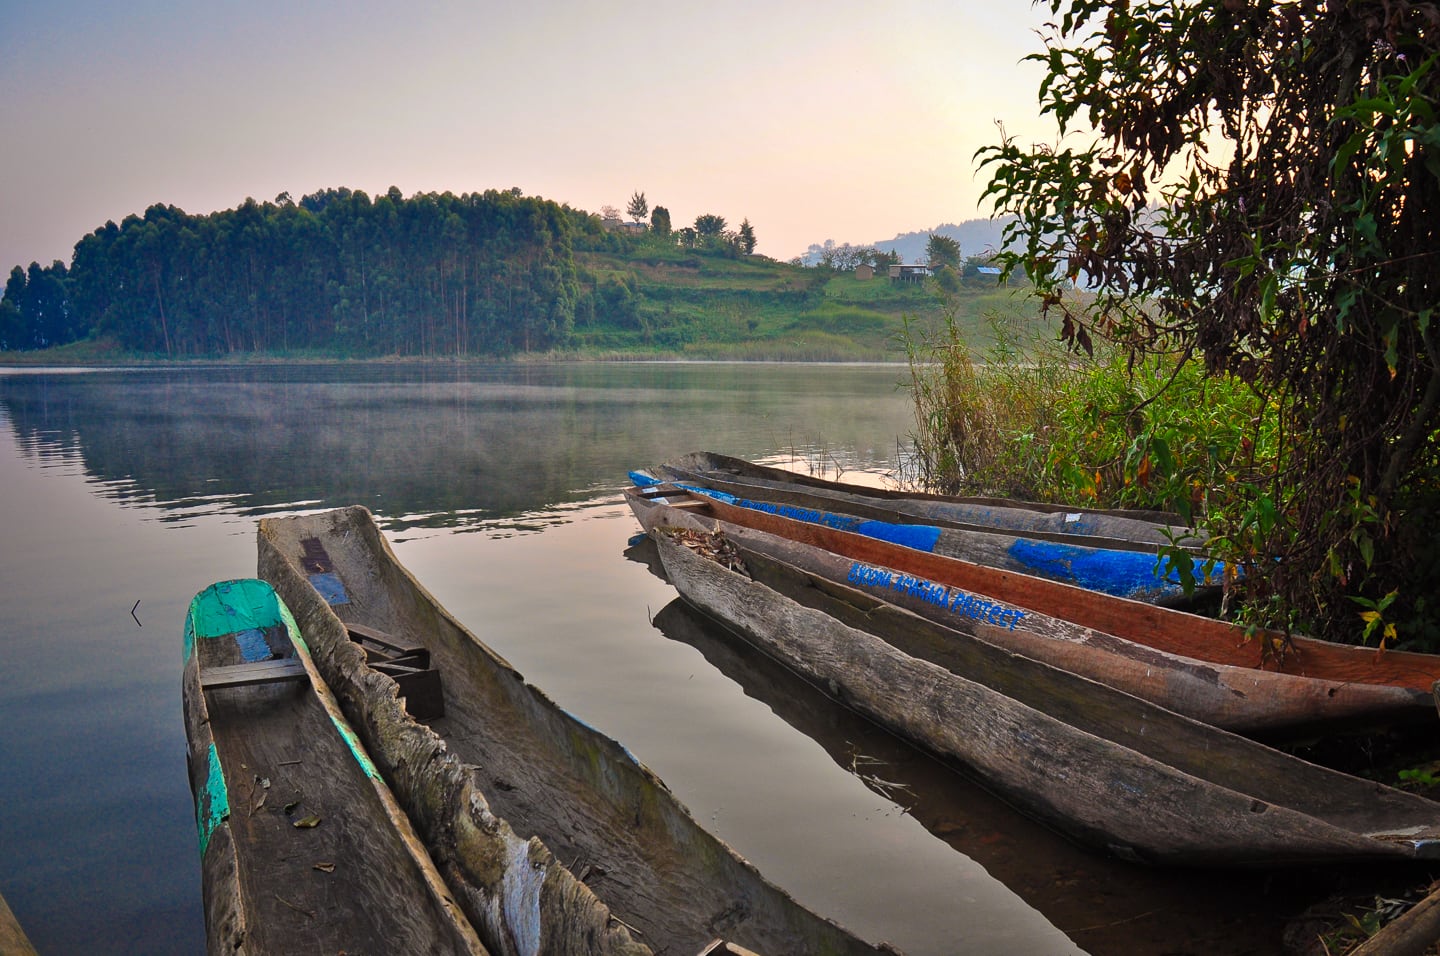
{"points": [[386, 646], [722, 947], [693, 504], [260, 672], [408, 664]]}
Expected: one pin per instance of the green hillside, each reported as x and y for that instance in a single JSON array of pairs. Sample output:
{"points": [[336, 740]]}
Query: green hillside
{"points": [[340, 274], [709, 304]]}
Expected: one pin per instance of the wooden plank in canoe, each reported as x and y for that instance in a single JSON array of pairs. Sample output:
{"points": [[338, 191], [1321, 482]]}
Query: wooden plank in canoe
{"points": [[260, 672]]}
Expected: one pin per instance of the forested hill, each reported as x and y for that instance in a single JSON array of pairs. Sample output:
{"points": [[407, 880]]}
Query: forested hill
{"points": [[340, 274], [486, 273]]}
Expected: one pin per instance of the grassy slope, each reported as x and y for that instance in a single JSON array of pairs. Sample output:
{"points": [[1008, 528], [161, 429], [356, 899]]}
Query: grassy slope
{"points": [[710, 306]]}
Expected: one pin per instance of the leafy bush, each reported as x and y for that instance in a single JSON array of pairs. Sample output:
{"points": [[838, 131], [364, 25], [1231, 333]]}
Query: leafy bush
{"points": [[1027, 419]]}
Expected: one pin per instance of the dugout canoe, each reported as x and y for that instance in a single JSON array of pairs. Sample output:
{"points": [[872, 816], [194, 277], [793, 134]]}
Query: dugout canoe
{"points": [[13, 941], [1126, 570], [503, 750], [1108, 769], [976, 823], [302, 845], [1197, 666], [1134, 526]]}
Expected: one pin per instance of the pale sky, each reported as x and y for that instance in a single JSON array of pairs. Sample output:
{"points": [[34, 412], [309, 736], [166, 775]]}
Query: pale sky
{"points": [[841, 120]]}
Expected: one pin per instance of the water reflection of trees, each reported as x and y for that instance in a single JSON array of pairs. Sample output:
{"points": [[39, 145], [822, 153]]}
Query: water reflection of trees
{"points": [[435, 444]]}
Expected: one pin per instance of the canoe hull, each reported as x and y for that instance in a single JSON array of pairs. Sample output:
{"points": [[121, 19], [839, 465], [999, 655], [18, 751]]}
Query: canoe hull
{"points": [[1245, 699], [582, 793], [1136, 526], [1105, 793]]}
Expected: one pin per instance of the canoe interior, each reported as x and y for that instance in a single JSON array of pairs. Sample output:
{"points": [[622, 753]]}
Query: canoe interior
{"points": [[593, 806], [290, 806], [1106, 767]]}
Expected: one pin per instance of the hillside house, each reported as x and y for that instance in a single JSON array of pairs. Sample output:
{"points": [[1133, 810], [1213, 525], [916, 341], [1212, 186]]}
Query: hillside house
{"points": [[626, 228], [911, 273]]}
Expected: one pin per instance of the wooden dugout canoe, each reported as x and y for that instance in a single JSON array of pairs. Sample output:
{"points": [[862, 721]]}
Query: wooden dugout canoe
{"points": [[13, 941], [1197, 666], [1136, 527], [302, 845], [1107, 768], [1139, 574], [504, 751]]}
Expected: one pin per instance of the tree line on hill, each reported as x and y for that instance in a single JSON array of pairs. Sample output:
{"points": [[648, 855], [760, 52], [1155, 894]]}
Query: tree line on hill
{"points": [[982, 238], [709, 232], [489, 273]]}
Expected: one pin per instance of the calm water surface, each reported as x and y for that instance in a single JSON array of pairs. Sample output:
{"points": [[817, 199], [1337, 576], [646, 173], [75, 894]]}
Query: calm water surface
{"points": [[499, 487]]}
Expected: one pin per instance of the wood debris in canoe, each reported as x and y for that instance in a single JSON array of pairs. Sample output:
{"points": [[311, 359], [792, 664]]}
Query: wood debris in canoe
{"points": [[711, 545]]}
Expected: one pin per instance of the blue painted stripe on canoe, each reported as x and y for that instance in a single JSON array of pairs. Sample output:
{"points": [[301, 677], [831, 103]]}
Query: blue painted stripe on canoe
{"points": [[642, 480], [955, 600], [212, 804], [729, 499], [351, 741], [921, 537], [1122, 573], [252, 645], [330, 588]]}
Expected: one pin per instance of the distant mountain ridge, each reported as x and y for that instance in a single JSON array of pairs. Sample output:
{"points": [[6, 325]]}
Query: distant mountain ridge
{"points": [[976, 236]]}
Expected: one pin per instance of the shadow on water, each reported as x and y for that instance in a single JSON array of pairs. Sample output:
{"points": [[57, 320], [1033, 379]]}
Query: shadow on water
{"points": [[1105, 905]]}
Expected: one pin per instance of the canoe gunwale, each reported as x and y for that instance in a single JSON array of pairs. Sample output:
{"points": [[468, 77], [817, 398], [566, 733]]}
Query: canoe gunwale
{"points": [[893, 510]]}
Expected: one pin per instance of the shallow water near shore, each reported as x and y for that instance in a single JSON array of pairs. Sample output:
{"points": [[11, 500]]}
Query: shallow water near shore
{"points": [[125, 492]]}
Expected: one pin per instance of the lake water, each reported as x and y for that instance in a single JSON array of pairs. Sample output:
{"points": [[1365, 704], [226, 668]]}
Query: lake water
{"points": [[123, 492]]}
